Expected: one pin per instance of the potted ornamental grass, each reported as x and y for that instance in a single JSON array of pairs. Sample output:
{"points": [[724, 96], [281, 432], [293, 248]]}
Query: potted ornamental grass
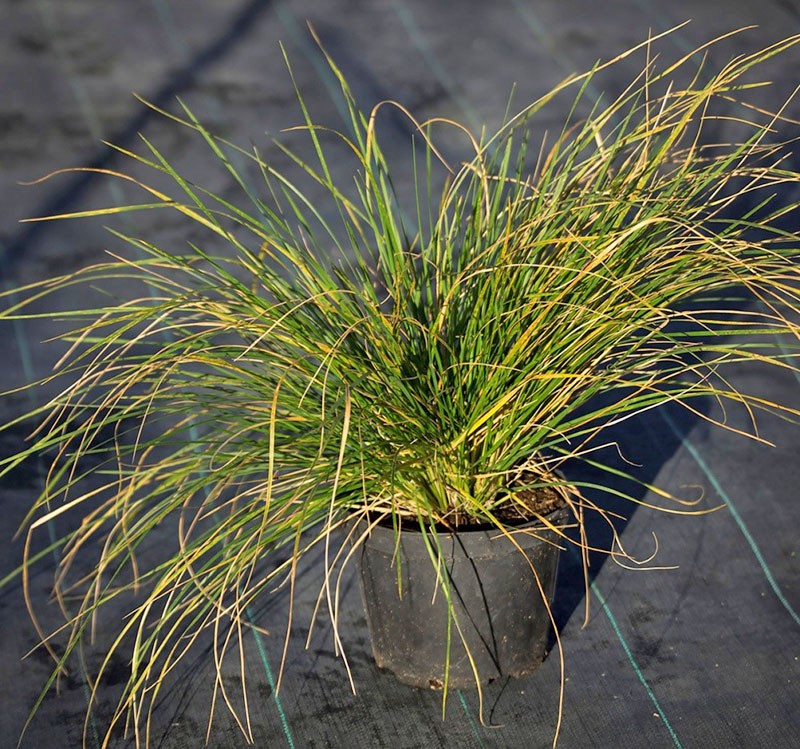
{"points": [[401, 381]]}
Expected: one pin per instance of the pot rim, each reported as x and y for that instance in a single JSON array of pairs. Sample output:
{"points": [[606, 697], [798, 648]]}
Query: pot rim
{"points": [[381, 536]]}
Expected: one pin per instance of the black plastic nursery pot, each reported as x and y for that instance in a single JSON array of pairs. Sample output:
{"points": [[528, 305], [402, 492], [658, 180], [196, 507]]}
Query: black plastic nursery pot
{"points": [[501, 614]]}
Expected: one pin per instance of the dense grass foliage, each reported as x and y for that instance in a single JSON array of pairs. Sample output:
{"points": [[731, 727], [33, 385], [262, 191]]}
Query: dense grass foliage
{"points": [[421, 357]]}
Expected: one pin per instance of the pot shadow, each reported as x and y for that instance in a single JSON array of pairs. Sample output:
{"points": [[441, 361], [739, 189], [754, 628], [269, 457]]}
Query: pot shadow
{"points": [[641, 446], [644, 443]]}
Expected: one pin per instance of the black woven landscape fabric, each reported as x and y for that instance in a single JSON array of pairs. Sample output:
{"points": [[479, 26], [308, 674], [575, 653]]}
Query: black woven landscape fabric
{"points": [[702, 651]]}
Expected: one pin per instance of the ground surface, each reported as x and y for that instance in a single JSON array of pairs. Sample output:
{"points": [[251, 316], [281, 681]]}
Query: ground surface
{"points": [[705, 655]]}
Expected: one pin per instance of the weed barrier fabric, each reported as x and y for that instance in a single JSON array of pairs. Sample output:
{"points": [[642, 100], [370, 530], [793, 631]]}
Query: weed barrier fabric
{"points": [[705, 654]]}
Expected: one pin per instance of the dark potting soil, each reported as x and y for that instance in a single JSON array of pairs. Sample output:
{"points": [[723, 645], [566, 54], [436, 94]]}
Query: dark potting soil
{"points": [[525, 507]]}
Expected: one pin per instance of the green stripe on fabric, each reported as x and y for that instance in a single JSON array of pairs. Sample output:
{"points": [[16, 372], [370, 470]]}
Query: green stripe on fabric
{"points": [[167, 20], [529, 18], [89, 114], [440, 73], [626, 648], [681, 42], [262, 652], [301, 39], [45, 8], [745, 531], [664, 22], [183, 50], [50, 23], [29, 373], [466, 108], [79, 91], [406, 17], [25, 358], [470, 717], [636, 669]]}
